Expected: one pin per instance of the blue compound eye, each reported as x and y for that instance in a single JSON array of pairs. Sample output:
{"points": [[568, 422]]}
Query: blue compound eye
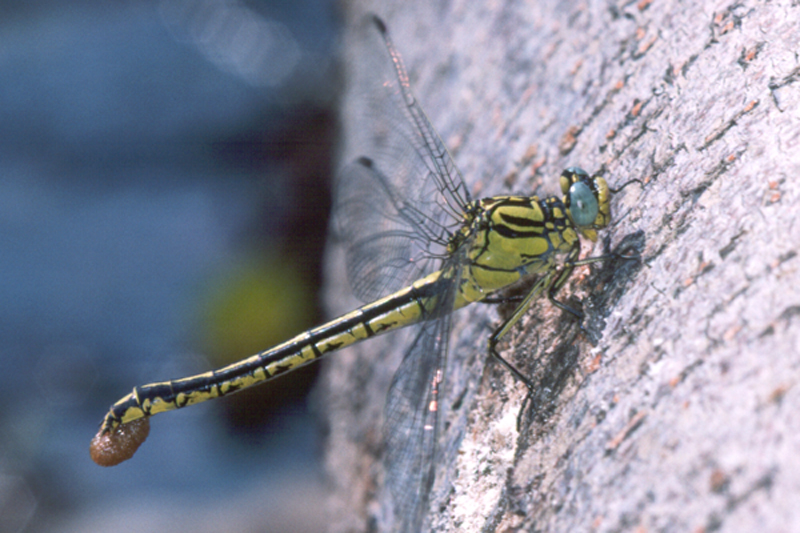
{"points": [[576, 170], [582, 204]]}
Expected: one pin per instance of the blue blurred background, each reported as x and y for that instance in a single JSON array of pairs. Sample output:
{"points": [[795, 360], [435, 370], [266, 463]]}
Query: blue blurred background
{"points": [[164, 194]]}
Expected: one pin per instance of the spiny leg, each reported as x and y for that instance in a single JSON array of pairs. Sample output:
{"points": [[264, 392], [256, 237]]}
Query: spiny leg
{"points": [[508, 323], [566, 271], [554, 280]]}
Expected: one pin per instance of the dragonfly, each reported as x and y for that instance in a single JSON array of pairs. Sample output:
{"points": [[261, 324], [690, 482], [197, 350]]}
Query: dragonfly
{"points": [[418, 247]]}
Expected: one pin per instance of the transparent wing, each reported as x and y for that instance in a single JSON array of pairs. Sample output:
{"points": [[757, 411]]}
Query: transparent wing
{"points": [[414, 410], [399, 197]]}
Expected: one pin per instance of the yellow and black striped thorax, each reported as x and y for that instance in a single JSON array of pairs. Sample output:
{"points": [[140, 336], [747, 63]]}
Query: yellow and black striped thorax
{"points": [[513, 236]]}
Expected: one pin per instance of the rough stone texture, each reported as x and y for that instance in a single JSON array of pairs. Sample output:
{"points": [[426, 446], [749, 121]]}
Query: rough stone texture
{"points": [[677, 410]]}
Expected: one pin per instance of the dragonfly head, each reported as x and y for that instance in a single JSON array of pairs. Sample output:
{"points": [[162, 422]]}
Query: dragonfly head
{"points": [[587, 200]]}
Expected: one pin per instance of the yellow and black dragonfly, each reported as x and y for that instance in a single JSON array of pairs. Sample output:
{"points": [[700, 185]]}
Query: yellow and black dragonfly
{"points": [[418, 248]]}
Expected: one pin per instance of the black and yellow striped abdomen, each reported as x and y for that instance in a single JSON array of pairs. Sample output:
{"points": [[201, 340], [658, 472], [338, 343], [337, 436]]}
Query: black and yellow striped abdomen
{"points": [[405, 307]]}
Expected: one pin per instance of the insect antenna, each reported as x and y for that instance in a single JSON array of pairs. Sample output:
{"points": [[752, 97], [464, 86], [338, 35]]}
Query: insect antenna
{"points": [[637, 180]]}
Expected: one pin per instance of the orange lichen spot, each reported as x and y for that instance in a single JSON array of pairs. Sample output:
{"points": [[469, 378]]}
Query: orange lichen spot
{"points": [[637, 108], [643, 4], [632, 424], [569, 139], [580, 277], [731, 332], [645, 46], [773, 185], [727, 27], [775, 197], [640, 33], [594, 364], [718, 481], [749, 55], [777, 394], [724, 21], [619, 85], [539, 163], [611, 134], [530, 153], [114, 447], [750, 105], [731, 158]]}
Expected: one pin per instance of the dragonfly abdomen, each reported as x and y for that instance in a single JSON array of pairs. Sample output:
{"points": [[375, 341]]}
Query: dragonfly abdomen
{"points": [[407, 306]]}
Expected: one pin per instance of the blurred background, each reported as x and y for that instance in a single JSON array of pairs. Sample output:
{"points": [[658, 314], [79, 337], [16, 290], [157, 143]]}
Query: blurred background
{"points": [[164, 194]]}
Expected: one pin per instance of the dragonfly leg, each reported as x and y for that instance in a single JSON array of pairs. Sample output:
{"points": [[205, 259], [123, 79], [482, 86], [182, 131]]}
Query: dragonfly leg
{"points": [[502, 299], [511, 368], [566, 271], [551, 283], [563, 274], [509, 323], [558, 281]]}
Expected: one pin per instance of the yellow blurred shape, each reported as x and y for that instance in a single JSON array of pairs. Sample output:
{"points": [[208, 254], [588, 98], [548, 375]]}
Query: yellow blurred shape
{"points": [[260, 303]]}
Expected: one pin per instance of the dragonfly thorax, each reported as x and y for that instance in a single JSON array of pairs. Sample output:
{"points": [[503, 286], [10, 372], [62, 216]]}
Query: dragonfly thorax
{"points": [[510, 237]]}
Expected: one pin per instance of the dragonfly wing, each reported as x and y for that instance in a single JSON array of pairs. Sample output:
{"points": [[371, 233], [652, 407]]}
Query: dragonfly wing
{"points": [[413, 412], [399, 196], [389, 242], [415, 408]]}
